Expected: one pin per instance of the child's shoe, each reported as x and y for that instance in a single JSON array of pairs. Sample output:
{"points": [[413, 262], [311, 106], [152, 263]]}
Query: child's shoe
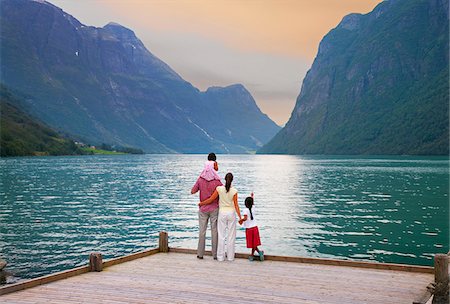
{"points": [[261, 255], [250, 258]]}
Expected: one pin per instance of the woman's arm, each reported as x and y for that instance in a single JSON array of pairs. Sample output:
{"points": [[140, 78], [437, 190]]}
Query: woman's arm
{"points": [[210, 199], [236, 206], [243, 219]]}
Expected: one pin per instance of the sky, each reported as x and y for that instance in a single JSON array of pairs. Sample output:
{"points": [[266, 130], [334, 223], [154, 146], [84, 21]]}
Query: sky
{"points": [[266, 45]]}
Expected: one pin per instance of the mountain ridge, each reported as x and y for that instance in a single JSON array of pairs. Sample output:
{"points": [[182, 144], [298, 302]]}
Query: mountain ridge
{"points": [[102, 85], [378, 85]]}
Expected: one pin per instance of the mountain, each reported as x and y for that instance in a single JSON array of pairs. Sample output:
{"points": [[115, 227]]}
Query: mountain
{"points": [[245, 122], [22, 135], [378, 85], [101, 85]]}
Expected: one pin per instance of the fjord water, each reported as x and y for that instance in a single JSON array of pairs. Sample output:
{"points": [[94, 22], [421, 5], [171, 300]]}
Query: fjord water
{"points": [[54, 211]]}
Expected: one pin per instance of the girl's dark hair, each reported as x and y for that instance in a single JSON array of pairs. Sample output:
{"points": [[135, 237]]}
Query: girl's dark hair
{"points": [[249, 205], [212, 156], [228, 180]]}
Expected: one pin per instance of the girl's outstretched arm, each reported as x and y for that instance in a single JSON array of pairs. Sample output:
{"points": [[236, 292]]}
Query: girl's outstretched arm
{"points": [[210, 199]]}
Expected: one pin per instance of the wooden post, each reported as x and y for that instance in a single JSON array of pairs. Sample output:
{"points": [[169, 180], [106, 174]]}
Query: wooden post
{"points": [[95, 261], [441, 279], [2, 264], [2, 277], [163, 242]]}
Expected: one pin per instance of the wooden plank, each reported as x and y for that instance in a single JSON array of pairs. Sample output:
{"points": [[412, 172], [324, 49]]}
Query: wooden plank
{"points": [[347, 263], [334, 262], [182, 278], [188, 251], [130, 257], [426, 295], [179, 276], [71, 272], [187, 264], [43, 280]]}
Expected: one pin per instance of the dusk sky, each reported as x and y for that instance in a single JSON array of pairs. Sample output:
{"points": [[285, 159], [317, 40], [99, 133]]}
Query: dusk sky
{"points": [[267, 45]]}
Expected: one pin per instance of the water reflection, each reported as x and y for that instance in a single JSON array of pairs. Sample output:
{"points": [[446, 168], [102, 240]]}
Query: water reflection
{"points": [[55, 210]]}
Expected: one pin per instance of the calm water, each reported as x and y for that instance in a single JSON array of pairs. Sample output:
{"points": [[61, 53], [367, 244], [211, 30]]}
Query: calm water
{"points": [[54, 211]]}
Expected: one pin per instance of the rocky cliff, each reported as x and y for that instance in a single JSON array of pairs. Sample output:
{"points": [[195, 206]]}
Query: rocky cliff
{"points": [[102, 85], [378, 85]]}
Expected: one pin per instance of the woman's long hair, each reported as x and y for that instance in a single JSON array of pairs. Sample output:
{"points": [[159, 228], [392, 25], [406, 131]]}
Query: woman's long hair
{"points": [[228, 180], [249, 205]]}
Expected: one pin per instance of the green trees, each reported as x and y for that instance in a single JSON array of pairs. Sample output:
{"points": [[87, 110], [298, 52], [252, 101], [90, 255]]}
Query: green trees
{"points": [[22, 135]]}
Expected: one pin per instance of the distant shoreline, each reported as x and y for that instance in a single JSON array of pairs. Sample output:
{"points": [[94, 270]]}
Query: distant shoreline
{"points": [[324, 156]]}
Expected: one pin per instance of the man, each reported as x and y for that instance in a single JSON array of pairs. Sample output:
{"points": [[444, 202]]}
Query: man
{"points": [[206, 184]]}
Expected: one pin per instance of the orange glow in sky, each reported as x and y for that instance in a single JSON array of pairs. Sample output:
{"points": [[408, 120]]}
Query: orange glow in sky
{"points": [[288, 27], [267, 45]]}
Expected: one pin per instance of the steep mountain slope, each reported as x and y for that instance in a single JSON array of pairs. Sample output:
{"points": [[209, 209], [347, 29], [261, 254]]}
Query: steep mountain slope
{"points": [[244, 124], [22, 135], [379, 85], [103, 86]]}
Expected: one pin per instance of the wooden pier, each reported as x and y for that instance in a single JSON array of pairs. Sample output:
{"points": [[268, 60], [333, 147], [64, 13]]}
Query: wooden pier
{"points": [[175, 275]]}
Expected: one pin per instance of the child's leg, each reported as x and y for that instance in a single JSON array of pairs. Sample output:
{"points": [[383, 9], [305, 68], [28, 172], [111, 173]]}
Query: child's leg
{"points": [[251, 256]]}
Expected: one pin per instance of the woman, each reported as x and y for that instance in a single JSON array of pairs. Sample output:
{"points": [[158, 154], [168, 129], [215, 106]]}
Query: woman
{"points": [[228, 206]]}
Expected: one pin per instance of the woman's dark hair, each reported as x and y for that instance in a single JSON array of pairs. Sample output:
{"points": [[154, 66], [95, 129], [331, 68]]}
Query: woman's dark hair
{"points": [[212, 156], [249, 205], [228, 180]]}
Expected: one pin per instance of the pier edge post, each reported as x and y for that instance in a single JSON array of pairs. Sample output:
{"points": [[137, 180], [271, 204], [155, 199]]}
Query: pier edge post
{"points": [[2, 264], [163, 242], [95, 262], [441, 279], [2, 273]]}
